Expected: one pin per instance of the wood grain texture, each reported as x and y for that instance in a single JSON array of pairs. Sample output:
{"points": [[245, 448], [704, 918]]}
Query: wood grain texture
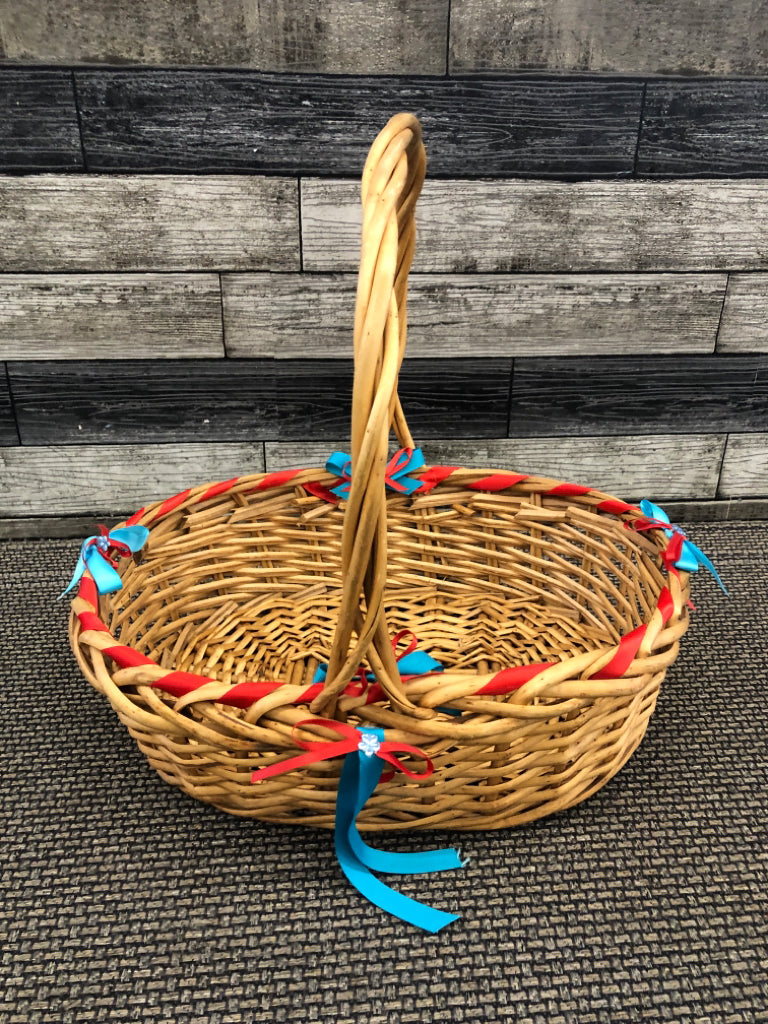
{"points": [[378, 36], [745, 467], [744, 324], [631, 37], [662, 467], [704, 128], [38, 121], [8, 433], [148, 401], [92, 223], [475, 226], [441, 397], [639, 395], [113, 478], [290, 316], [311, 124], [110, 316]]}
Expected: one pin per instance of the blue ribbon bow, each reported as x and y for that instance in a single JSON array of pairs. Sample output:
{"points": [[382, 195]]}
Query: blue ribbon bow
{"points": [[359, 778], [94, 556], [402, 463], [691, 557]]}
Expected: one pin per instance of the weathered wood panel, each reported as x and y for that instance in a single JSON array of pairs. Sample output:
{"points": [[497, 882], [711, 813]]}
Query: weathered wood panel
{"points": [[639, 395], [8, 432], [311, 124], [744, 325], [474, 226], [636, 37], [86, 222], [110, 316], [745, 467], [38, 121], [290, 316], [378, 36], [440, 397], [661, 467], [148, 401], [113, 478], [704, 128]]}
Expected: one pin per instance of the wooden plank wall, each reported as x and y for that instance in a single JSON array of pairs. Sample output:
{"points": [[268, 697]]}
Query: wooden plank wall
{"points": [[589, 298]]}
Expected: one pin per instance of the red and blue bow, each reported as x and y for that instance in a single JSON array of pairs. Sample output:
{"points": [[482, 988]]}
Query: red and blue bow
{"points": [[396, 475], [96, 556], [681, 553]]}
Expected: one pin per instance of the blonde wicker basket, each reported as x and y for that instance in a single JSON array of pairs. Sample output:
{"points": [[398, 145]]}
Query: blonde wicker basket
{"points": [[553, 619]]}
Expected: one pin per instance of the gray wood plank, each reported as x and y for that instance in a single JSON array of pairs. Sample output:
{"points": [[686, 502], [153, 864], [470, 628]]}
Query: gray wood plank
{"points": [[378, 36], [744, 324], [476, 226], [704, 128], [662, 467], [38, 121], [9, 434], [745, 467], [86, 222], [110, 316], [293, 316], [206, 121], [113, 478], [642, 37]]}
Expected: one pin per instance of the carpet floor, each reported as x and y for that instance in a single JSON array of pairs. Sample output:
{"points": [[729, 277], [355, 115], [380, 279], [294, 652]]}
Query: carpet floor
{"points": [[121, 899]]}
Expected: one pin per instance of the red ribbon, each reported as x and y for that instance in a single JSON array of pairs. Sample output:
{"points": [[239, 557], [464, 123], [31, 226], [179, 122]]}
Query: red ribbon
{"points": [[324, 750]]}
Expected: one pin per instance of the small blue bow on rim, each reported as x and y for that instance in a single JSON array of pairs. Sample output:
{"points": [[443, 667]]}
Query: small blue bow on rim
{"points": [[403, 462], [95, 557], [690, 557]]}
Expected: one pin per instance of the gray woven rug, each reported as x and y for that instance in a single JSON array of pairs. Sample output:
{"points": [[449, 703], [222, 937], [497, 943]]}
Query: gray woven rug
{"points": [[124, 900]]}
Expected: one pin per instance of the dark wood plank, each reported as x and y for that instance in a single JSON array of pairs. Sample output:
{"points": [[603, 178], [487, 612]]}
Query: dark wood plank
{"points": [[663, 467], [472, 315], [331, 36], [441, 397], [38, 121], [243, 121], [136, 222], [183, 400], [704, 129], [639, 395], [643, 37], [745, 467], [113, 479], [110, 316], [744, 323], [8, 432], [504, 226]]}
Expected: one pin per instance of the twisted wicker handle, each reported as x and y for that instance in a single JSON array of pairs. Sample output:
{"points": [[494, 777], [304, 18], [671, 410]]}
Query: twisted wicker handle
{"points": [[392, 180]]}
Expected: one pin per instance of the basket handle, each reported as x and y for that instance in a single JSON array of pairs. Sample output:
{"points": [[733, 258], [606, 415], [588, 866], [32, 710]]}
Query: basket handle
{"points": [[392, 180]]}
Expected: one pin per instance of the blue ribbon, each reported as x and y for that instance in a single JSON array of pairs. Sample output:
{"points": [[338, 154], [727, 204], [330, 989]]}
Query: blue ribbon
{"points": [[417, 663], [94, 556], [402, 463], [359, 778], [691, 557]]}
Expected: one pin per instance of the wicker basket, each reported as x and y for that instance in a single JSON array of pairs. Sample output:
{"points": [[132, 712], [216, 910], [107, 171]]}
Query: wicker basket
{"points": [[553, 619]]}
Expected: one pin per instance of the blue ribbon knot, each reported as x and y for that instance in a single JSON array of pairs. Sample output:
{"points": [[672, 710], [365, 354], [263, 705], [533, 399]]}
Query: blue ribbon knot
{"points": [[691, 557], [94, 556], [396, 475]]}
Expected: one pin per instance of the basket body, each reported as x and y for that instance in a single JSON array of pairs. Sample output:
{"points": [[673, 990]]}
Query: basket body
{"points": [[553, 622], [247, 584]]}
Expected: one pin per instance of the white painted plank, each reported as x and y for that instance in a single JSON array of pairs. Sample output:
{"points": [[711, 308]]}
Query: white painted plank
{"points": [[311, 315], [523, 226], [143, 222], [662, 467], [745, 467], [113, 478], [744, 326], [110, 316]]}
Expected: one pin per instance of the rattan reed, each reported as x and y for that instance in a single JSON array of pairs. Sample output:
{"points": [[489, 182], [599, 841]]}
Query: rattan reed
{"points": [[262, 578]]}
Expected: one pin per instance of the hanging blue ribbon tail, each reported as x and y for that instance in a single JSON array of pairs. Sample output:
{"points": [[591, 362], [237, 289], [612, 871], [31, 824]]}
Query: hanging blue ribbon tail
{"points": [[691, 557], [105, 576], [359, 778]]}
